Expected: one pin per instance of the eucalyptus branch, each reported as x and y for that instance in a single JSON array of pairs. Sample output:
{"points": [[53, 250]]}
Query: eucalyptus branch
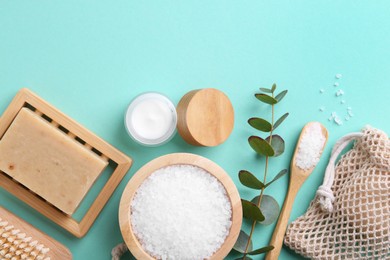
{"points": [[272, 146]]}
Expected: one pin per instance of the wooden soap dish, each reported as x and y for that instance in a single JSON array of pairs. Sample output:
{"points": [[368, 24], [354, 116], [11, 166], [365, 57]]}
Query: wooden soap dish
{"points": [[119, 162], [176, 159]]}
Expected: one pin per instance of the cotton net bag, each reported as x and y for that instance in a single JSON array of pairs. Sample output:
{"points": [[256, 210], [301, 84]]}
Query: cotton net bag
{"points": [[350, 215]]}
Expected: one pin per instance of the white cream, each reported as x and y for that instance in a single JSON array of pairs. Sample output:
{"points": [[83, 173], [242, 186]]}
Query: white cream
{"points": [[151, 119]]}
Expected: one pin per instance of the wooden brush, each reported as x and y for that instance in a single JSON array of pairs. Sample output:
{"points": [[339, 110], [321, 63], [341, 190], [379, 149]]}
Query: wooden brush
{"points": [[20, 240]]}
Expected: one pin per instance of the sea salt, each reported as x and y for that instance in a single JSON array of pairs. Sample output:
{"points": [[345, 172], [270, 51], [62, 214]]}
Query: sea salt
{"points": [[334, 117], [310, 147], [339, 92], [350, 113], [181, 212], [338, 121]]}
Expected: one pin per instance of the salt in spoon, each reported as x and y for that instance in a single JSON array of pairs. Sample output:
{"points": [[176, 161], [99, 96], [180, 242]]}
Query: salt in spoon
{"points": [[298, 175]]}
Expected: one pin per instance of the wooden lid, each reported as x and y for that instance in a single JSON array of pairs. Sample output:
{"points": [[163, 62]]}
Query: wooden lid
{"points": [[205, 117]]}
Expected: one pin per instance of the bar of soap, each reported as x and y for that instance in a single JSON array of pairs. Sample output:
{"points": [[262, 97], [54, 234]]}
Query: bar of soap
{"points": [[48, 162]]}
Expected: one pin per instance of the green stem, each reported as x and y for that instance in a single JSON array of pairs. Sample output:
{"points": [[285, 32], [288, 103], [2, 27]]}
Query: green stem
{"points": [[262, 189]]}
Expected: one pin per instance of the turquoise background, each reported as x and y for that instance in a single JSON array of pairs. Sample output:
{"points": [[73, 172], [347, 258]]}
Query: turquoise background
{"points": [[90, 58]]}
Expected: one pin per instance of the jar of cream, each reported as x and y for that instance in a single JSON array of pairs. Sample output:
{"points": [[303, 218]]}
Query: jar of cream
{"points": [[151, 119]]}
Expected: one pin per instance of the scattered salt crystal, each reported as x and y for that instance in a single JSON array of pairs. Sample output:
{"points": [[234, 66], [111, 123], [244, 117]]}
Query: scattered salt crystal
{"points": [[338, 121], [349, 108], [310, 147], [322, 90], [347, 118], [338, 76], [335, 118], [336, 84], [322, 108], [339, 92], [342, 101], [350, 113], [181, 212]]}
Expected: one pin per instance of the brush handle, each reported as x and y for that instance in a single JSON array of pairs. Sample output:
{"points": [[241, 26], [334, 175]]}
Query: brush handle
{"points": [[280, 229]]}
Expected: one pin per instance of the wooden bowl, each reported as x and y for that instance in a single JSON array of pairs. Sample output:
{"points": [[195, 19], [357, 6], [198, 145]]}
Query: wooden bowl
{"points": [[173, 159]]}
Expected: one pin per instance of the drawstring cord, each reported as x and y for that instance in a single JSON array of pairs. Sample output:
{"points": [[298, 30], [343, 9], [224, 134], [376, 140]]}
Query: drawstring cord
{"points": [[324, 193], [118, 251]]}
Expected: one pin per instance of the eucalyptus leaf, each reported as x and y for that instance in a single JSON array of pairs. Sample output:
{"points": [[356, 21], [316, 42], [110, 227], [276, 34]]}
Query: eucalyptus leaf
{"points": [[241, 243], [266, 90], [261, 146], [261, 250], [277, 144], [266, 99], [251, 211], [280, 120], [260, 124], [269, 207], [281, 95], [278, 176], [249, 180], [273, 87]]}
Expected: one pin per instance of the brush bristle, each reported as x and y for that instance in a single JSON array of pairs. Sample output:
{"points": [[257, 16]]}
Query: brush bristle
{"points": [[15, 245]]}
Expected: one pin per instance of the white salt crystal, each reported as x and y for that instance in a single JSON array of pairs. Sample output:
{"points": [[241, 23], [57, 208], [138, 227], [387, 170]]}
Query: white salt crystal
{"points": [[310, 147], [349, 108], [347, 118], [338, 121], [181, 212], [335, 118], [322, 108], [338, 76], [342, 101], [339, 92], [336, 84], [322, 90], [350, 112]]}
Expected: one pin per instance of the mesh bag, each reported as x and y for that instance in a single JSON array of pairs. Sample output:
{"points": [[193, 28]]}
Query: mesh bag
{"points": [[350, 215]]}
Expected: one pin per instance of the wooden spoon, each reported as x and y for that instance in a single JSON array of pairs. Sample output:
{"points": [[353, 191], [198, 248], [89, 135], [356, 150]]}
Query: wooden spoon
{"points": [[297, 178]]}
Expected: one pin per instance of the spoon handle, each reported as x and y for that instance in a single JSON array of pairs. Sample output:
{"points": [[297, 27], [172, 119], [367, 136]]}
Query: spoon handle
{"points": [[280, 229]]}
